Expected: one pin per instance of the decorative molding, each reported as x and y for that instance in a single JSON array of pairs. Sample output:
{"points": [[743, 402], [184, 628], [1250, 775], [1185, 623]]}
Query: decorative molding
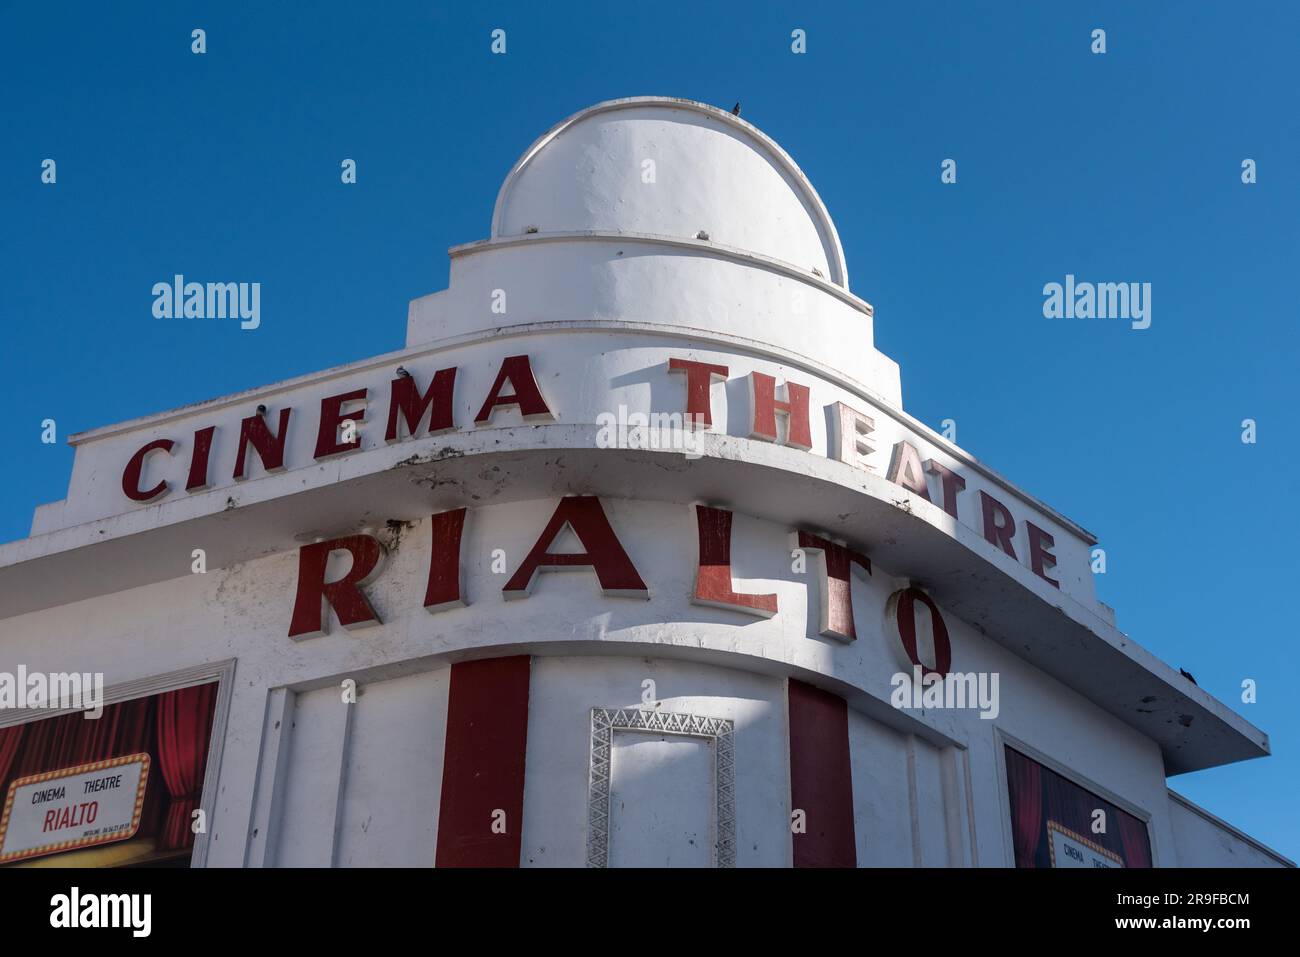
{"points": [[708, 247], [605, 721]]}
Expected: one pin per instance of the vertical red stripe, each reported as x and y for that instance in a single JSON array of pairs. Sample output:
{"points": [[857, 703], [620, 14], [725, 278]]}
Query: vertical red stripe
{"points": [[821, 777], [483, 763]]}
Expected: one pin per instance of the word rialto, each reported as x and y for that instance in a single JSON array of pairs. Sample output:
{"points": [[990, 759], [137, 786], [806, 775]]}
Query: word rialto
{"points": [[604, 555], [414, 410]]}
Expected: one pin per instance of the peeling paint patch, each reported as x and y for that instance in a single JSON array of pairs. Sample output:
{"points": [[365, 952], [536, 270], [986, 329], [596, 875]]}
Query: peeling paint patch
{"points": [[416, 459]]}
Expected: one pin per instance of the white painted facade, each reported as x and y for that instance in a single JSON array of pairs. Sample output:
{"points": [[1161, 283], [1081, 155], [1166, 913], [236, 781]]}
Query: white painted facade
{"points": [[727, 257]]}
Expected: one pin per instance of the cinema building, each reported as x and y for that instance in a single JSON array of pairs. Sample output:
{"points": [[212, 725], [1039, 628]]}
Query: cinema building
{"points": [[797, 627]]}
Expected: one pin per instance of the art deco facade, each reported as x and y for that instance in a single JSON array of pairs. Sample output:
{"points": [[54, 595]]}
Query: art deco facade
{"points": [[653, 376]]}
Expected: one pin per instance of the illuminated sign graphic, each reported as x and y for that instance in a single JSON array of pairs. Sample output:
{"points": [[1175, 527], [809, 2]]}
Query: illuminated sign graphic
{"points": [[82, 806]]}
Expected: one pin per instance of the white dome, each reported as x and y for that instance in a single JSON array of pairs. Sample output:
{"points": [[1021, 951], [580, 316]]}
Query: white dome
{"points": [[714, 178]]}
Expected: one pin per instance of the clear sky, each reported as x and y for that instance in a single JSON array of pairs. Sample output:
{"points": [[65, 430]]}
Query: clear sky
{"points": [[1124, 166]]}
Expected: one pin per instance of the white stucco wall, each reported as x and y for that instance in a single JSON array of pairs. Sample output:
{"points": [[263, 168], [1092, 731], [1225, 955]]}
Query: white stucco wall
{"points": [[704, 660], [1203, 840]]}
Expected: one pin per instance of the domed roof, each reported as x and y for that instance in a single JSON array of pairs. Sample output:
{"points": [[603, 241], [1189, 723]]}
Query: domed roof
{"points": [[671, 168]]}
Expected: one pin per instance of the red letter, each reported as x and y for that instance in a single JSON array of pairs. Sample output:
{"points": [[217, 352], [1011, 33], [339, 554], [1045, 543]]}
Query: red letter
{"points": [[762, 399], [310, 614], [134, 469], [443, 590], [404, 397], [583, 514], [1040, 559], [331, 417], [999, 526], [519, 373], [905, 469], [713, 585], [902, 606], [952, 484], [198, 479], [850, 445], [699, 376], [836, 590], [270, 448]]}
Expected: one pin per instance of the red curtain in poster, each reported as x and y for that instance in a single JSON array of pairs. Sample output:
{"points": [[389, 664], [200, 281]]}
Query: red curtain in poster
{"points": [[173, 728], [184, 727], [49, 744], [1024, 782], [72, 739], [10, 740], [1040, 796], [65, 741], [1137, 844]]}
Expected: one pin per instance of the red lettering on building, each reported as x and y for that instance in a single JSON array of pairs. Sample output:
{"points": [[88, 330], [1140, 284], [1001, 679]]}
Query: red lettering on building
{"points": [[766, 406], [838, 561], [905, 469], [604, 554], [952, 484], [135, 468], [517, 371], [902, 608], [404, 399], [852, 427], [699, 377], [332, 417], [270, 448], [713, 582], [198, 477], [444, 586], [1040, 559], [999, 525], [316, 596]]}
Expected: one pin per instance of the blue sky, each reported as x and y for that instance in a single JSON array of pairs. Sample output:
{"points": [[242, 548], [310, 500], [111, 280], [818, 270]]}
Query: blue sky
{"points": [[1119, 167]]}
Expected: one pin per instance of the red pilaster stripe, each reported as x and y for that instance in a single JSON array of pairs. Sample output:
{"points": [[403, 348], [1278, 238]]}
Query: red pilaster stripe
{"points": [[821, 777], [483, 763]]}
